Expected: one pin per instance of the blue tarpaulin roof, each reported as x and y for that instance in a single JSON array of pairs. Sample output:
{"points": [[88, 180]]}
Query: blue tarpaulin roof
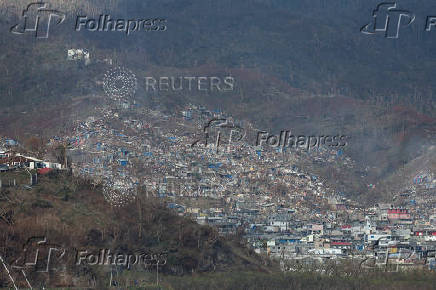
{"points": [[215, 165]]}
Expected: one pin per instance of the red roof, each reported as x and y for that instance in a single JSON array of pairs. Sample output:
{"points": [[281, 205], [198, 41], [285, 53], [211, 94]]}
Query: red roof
{"points": [[341, 244], [44, 170], [398, 210]]}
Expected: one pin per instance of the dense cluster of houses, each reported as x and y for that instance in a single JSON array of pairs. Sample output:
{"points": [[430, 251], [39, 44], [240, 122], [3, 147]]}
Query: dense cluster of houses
{"points": [[172, 156], [241, 188], [238, 187]]}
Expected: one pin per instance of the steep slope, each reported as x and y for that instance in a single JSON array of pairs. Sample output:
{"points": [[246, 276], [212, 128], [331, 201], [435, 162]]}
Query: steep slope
{"points": [[297, 66], [72, 215]]}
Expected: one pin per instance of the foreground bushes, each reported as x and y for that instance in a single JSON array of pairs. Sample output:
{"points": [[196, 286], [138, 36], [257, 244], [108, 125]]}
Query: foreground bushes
{"points": [[305, 280]]}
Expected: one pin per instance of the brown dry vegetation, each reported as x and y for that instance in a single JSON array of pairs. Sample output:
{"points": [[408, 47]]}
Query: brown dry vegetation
{"points": [[73, 214]]}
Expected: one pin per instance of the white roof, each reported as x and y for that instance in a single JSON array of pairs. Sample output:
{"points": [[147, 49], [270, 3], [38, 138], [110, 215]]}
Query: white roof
{"points": [[30, 158]]}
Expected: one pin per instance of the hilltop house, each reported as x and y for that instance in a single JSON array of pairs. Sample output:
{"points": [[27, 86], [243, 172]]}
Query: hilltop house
{"points": [[19, 160]]}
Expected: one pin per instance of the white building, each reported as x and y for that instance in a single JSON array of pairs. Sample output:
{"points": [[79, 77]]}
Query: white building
{"points": [[79, 54]]}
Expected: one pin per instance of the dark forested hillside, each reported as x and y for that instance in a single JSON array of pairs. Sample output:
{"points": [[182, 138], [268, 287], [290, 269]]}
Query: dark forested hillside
{"points": [[290, 59]]}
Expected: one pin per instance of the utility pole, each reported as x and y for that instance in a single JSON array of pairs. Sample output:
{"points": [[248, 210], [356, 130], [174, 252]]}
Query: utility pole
{"points": [[157, 273], [31, 177], [64, 145], [65, 157], [387, 258]]}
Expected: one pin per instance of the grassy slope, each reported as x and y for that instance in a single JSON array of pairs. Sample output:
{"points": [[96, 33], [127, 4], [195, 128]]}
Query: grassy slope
{"points": [[72, 214]]}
